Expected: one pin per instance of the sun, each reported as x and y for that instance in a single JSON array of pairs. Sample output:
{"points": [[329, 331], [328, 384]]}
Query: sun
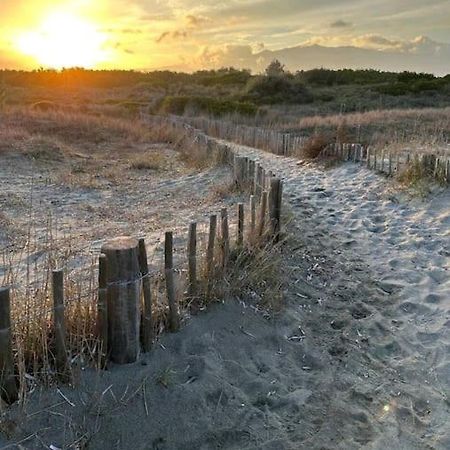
{"points": [[64, 40]]}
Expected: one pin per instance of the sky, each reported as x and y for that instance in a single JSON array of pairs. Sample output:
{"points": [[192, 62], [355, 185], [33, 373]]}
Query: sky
{"points": [[190, 35]]}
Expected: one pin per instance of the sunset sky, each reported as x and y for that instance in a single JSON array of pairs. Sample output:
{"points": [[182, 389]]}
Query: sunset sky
{"points": [[188, 34]]}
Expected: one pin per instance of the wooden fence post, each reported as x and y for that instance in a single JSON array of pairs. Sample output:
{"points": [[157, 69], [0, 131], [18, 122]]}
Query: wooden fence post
{"points": [[59, 322], [192, 259], [259, 180], [211, 245], [123, 295], [262, 214], [225, 241], [147, 318], [276, 193], [240, 233], [252, 215], [251, 174], [102, 311], [8, 382], [174, 317]]}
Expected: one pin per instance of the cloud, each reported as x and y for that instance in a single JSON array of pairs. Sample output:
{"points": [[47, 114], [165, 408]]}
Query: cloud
{"points": [[341, 24], [365, 51], [196, 21], [225, 55], [123, 30], [172, 35]]}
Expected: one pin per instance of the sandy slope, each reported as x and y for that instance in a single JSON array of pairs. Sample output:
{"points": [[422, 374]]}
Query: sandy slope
{"points": [[359, 358]]}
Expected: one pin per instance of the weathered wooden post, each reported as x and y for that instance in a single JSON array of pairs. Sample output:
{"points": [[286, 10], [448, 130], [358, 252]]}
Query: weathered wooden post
{"points": [[102, 311], [123, 294], [251, 174], [174, 316], [240, 231], [239, 171], [192, 259], [259, 180], [225, 241], [211, 245], [252, 215], [8, 381], [147, 318], [262, 213], [59, 322], [276, 193]]}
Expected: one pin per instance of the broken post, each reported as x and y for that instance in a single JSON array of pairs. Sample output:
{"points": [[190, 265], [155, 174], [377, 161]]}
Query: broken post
{"points": [[123, 294]]}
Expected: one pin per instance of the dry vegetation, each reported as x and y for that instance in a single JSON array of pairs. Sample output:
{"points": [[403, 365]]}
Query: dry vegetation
{"points": [[423, 130], [80, 179]]}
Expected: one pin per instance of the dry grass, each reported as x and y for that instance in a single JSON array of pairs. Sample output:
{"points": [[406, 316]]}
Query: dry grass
{"points": [[148, 161], [223, 190], [80, 131], [416, 128], [314, 146]]}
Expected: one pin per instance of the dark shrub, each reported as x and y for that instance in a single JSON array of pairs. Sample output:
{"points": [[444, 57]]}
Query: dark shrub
{"points": [[277, 89]]}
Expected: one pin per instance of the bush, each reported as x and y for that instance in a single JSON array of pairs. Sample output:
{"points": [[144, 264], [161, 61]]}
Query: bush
{"points": [[415, 85], [277, 89], [209, 105], [314, 146]]}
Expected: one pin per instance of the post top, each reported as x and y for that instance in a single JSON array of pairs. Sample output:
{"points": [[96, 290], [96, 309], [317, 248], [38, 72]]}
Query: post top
{"points": [[120, 243]]}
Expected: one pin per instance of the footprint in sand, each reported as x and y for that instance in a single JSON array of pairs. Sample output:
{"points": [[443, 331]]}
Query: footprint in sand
{"points": [[414, 308], [433, 299]]}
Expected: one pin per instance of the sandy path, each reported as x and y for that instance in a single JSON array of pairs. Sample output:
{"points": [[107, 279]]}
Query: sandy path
{"points": [[398, 251]]}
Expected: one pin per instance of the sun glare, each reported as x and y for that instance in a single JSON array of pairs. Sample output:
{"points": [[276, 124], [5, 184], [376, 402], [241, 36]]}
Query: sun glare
{"points": [[64, 40]]}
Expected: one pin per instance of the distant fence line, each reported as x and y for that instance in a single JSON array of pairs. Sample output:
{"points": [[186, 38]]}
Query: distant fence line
{"points": [[435, 165], [273, 141], [125, 314], [392, 163]]}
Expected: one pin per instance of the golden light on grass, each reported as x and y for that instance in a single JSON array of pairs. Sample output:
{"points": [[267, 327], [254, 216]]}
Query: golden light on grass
{"points": [[64, 40]]}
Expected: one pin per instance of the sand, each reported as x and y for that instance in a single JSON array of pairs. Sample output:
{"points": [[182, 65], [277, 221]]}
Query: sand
{"points": [[357, 358]]}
